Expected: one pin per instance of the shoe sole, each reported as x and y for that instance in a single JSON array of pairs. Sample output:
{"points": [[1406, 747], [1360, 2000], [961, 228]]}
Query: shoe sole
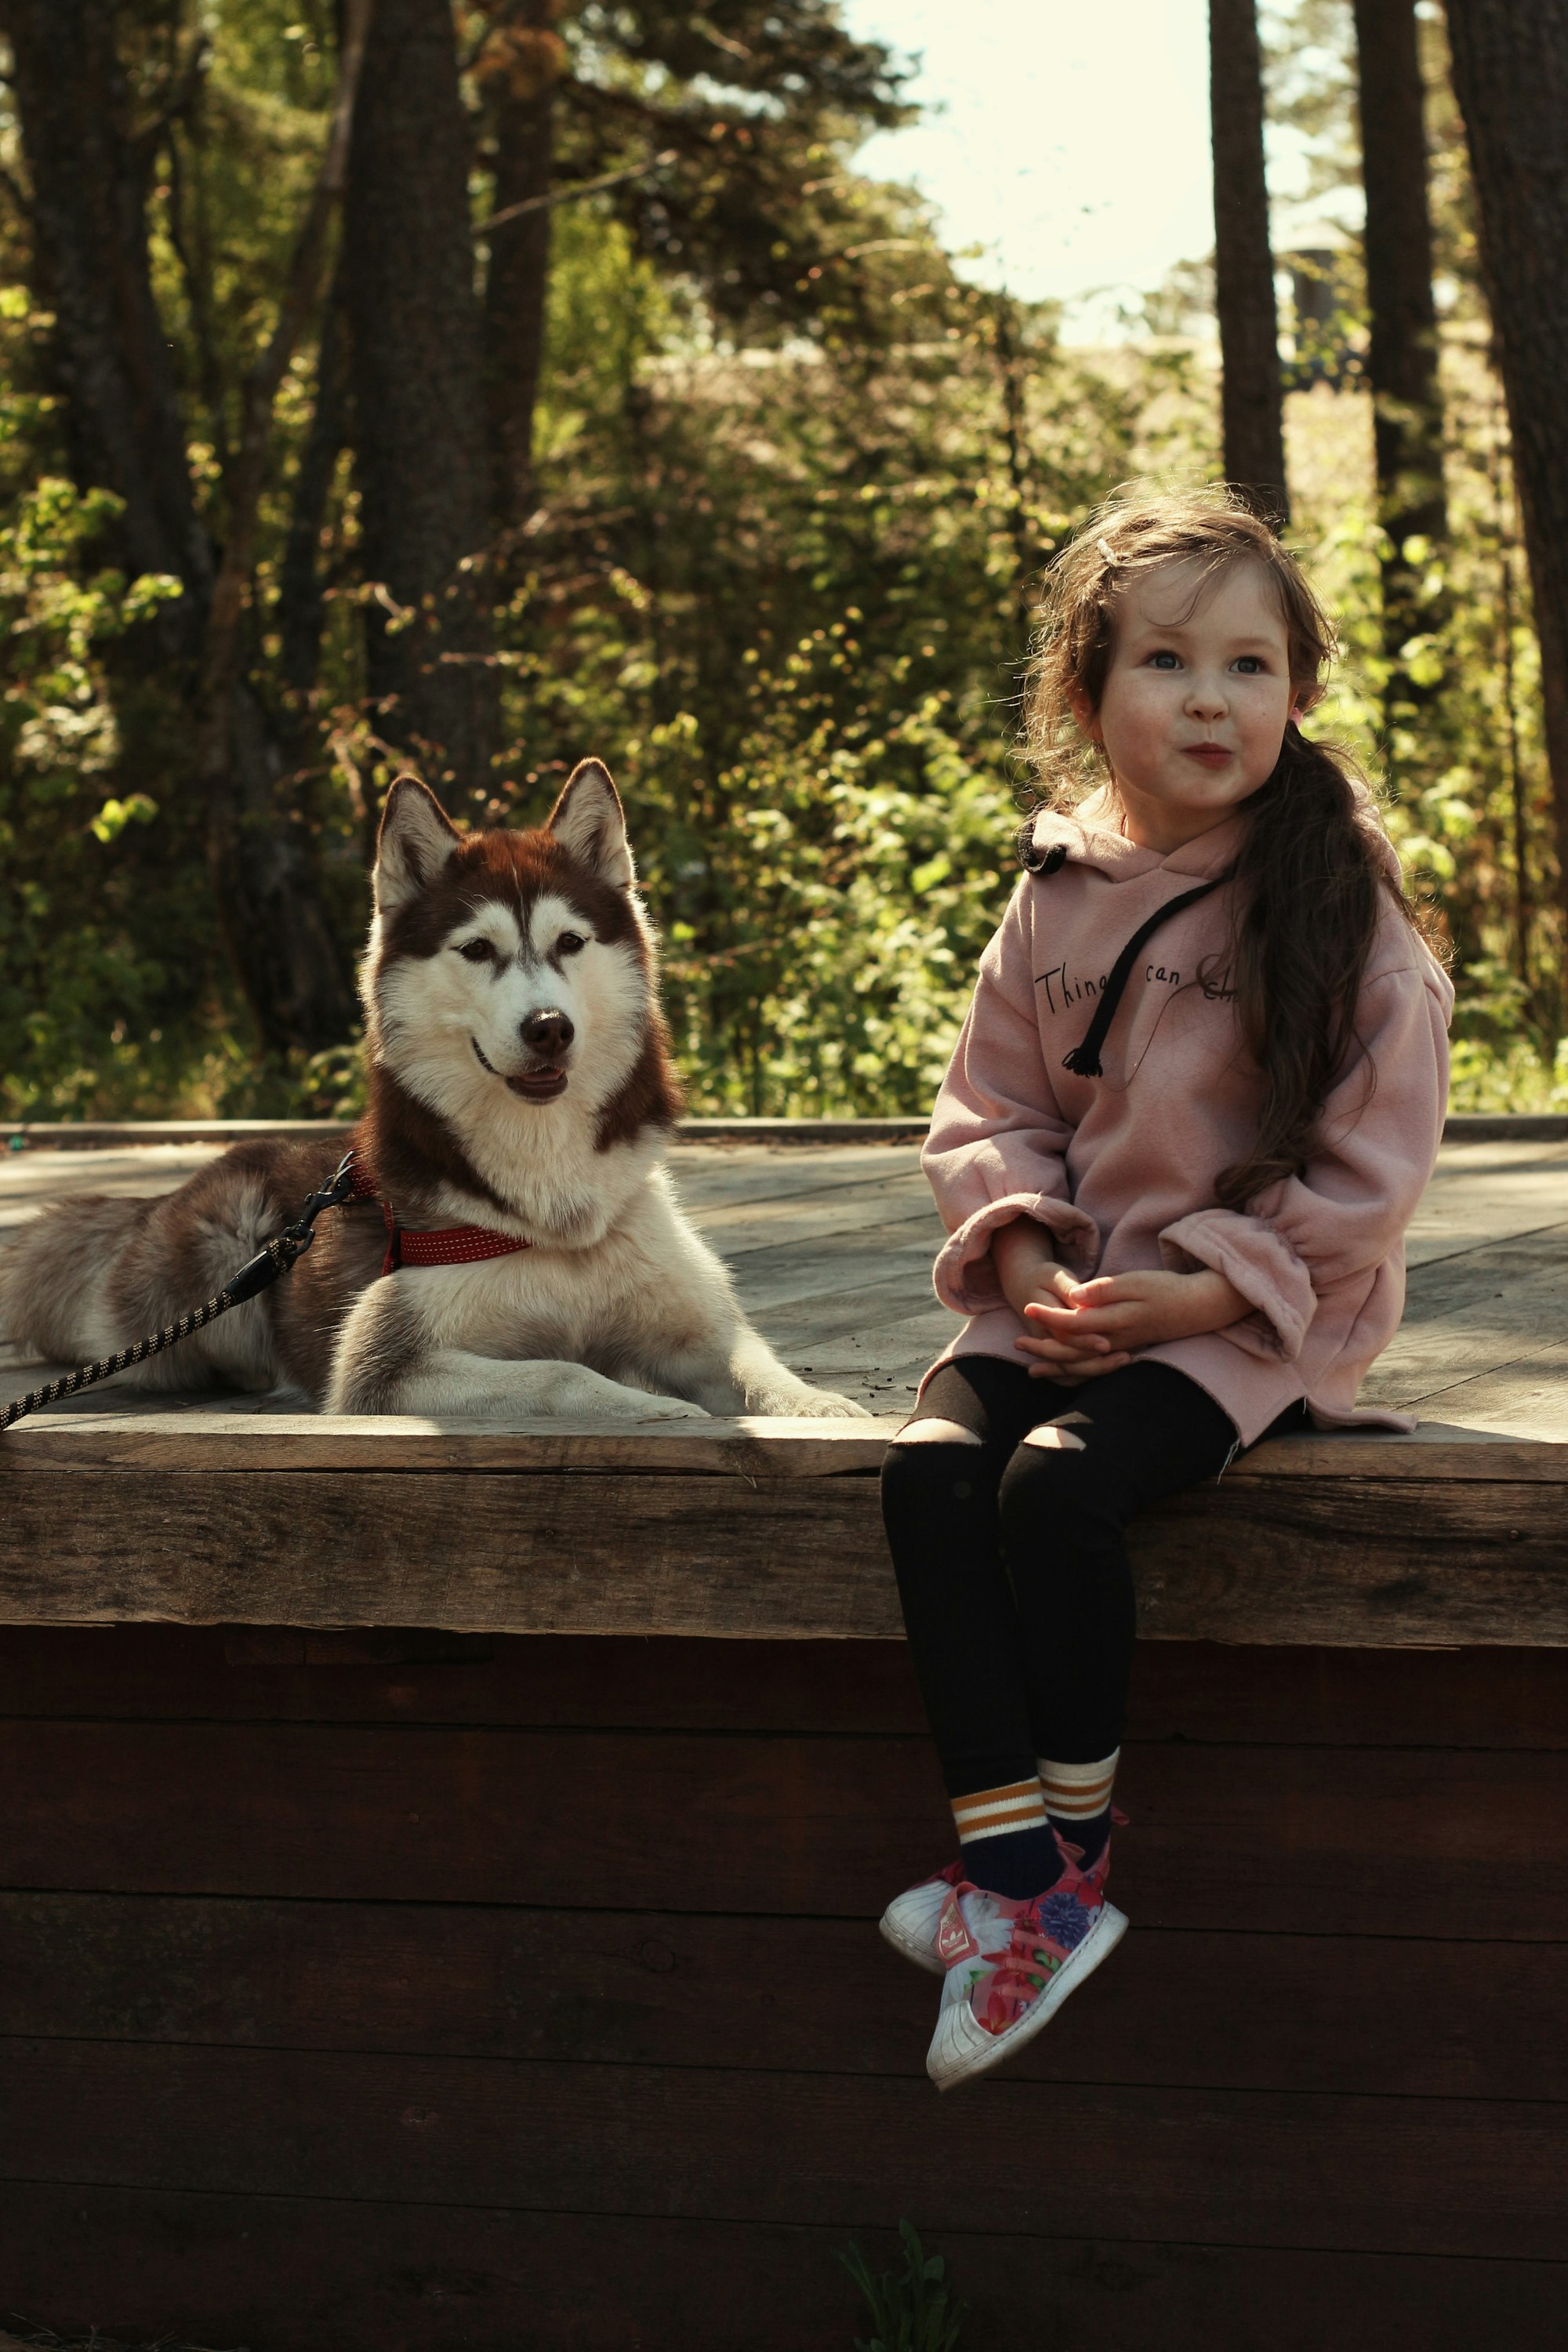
{"points": [[924, 1955], [1097, 1946]]}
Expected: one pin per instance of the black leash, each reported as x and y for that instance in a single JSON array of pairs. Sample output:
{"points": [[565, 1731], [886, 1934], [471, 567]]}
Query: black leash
{"points": [[269, 1266]]}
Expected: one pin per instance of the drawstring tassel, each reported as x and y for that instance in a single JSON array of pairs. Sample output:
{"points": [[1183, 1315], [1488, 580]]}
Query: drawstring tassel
{"points": [[1084, 1061]]}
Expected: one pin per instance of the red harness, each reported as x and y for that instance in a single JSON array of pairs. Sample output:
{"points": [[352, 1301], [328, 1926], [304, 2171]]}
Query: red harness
{"points": [[448, 1246]]}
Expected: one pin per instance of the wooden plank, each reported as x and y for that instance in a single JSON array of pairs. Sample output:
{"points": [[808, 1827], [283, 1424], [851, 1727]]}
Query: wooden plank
{"points": [[1428, 2175], [1393, 2016], [708, 1178], [1527, 1397], [284, 1673], [1330, 1841], [1207, 1692], [642, 1553], [866, 1205], [900, 1253], [220, 1440], [1483, 1193], [862, 1311], [1488, 1311], [1497, 1698], [1319, 1559], [128, 1433], [296, 2276], [1304, 1558]]}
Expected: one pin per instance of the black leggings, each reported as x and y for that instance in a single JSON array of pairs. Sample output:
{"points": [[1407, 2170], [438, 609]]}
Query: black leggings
{"points": [[1017, 1589]]}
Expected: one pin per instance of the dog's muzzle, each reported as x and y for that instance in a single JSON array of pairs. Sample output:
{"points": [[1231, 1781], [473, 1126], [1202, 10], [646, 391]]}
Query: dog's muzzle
{"points": [[539, 1085]]}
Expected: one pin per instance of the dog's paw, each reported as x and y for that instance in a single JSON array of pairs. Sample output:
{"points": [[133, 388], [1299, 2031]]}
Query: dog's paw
{"points": [[665, 1408], [805, 1403]]}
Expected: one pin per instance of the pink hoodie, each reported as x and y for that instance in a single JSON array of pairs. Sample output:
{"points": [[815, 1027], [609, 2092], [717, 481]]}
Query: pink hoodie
{"points": [[1121, 1168]]}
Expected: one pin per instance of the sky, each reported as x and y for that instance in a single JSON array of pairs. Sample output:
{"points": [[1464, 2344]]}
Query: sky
{"points": [[1071, 141]]}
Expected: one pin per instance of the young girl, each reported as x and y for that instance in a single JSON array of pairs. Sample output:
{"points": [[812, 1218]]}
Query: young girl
{"points": [[1196, 1101]]}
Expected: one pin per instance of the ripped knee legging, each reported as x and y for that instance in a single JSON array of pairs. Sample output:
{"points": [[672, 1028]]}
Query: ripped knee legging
{"points": [[1009, 1548]]}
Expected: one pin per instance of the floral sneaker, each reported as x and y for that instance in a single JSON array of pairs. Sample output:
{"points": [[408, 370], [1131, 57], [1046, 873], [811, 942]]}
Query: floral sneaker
{"points": [[911, 1921], [1010, 1966]]}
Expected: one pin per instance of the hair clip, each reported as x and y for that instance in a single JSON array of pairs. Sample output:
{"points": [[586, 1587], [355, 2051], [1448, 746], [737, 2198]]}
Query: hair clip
{"points": [[1104, 548]]}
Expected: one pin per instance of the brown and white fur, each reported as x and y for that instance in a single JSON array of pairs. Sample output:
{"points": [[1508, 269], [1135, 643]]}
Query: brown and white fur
{"points": [[520, 1079]]}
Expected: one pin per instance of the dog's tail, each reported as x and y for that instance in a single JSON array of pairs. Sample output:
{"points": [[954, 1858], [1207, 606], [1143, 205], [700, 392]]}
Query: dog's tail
{"points": [[96, 1275], [57, 1279]]}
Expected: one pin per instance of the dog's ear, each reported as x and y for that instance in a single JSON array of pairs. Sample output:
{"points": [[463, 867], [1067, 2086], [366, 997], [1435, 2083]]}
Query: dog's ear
{"points": [[416, 840], [589, 821]]}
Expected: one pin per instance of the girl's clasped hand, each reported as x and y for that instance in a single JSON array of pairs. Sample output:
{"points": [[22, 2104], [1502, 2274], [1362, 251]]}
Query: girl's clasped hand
{"points": [[1081, 1331]]}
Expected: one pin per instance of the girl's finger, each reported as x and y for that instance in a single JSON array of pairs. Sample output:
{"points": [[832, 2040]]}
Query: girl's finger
{"points": [[1065, 1343], [1078, 1324], [1103, 1291], [1052, 1351], [1084, 1373]]}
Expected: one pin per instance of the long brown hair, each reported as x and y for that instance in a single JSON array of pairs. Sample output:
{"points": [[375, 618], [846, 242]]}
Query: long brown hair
{"points": [[1312, 861]]}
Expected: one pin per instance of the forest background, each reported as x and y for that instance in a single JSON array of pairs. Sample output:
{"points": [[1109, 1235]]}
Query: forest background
{"points": [[586, 398]]}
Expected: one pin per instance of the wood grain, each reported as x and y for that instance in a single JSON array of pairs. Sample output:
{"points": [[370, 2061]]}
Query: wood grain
{"points": [[1246, 1837], [1393, 2015], [1429, 2176], [1208, 1692], [1313, 1560], [218, 1440], [295, 2276]]}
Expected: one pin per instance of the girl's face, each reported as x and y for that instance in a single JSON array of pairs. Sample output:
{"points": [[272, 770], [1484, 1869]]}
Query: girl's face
{"points": [[1195, 706]]}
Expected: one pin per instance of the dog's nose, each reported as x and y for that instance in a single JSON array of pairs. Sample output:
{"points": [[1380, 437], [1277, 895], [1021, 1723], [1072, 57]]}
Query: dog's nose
{"points": [[549, 1033]]}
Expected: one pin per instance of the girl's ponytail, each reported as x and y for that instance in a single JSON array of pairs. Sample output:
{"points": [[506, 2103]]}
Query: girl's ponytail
{"points": [[1308, 879]]}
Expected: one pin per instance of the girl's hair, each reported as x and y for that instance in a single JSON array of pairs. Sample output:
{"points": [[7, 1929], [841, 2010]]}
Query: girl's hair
{"points": [[1312, 860]]}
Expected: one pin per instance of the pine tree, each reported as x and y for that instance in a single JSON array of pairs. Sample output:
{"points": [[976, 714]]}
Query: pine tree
{"points": [[1252, 398]]}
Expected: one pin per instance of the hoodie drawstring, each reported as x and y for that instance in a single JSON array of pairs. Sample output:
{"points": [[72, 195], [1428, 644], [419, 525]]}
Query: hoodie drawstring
{"points": [[1084, 1060]]}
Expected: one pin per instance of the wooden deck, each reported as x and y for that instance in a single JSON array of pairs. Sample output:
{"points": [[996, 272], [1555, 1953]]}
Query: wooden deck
{"points": [[418, 1934], [770, 1530]]}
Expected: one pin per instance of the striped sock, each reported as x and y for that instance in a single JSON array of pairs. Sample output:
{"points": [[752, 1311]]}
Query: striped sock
{"points": [[1077, 1797], [1006, 1840]]}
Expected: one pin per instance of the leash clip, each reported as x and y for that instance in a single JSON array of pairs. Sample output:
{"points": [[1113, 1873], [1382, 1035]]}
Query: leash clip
{"points": [[279, 1257], [296, 1239]]}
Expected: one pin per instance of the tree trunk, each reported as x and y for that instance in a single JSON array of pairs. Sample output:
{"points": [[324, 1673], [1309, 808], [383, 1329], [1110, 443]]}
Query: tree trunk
{"points": [[301, 612], [523, 74], [1511, 78], [88, 179], [1408, 400], [1252, 399], [87, 172], [416, 376], [257, 846]]}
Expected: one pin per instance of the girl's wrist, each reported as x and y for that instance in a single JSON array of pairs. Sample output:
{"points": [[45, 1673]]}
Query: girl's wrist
{"points": [[1221, 1301], [1017, 1253]]}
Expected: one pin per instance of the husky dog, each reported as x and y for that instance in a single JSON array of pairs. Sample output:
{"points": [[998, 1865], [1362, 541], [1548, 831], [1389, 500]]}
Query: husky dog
{"points": [[520, 1089]]}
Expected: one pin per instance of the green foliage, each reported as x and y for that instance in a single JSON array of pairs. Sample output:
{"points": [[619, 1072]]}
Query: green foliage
{"points": [[913, 2310], [92, 922], [795, 477]]}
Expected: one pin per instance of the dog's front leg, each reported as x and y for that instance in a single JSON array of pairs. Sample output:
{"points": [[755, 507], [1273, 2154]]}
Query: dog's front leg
{"points": [[384, 1363], [742, 1374]]}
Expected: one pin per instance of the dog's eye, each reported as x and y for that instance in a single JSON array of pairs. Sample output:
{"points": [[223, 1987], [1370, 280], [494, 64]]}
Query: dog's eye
{"points": [[476, 951], [570, 943]]}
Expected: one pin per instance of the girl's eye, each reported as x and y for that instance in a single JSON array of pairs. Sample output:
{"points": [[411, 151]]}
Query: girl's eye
{"points": [[1248, 665], [476, 952], [1163, 661], [570, 943]]}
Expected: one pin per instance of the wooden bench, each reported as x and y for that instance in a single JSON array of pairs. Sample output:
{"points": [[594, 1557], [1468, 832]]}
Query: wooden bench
{"points": [[418, 1927]]}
